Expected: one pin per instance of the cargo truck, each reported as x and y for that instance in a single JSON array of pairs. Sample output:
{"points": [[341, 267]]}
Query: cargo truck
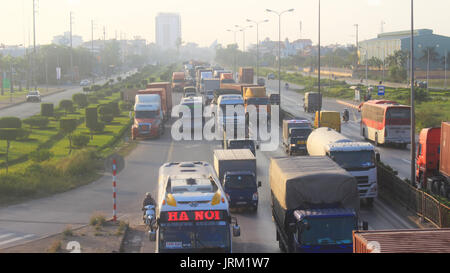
{"points": [[210, 85], [161, 93], [402, 241], [167, 95], [433, 160], [312, 102], [256, 96], [148, 117], [329, 119], [358, 158], [246, 75], [237, 173], [295, 136], [178, 81], [226, 78], [315, 205]]}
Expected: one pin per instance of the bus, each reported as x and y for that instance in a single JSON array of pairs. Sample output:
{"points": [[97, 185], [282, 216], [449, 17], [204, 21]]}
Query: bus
{"points": [[192, 211], [386, 122]]}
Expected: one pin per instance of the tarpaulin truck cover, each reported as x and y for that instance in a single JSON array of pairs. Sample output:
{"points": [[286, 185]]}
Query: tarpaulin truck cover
{"points": [[309, 182]]}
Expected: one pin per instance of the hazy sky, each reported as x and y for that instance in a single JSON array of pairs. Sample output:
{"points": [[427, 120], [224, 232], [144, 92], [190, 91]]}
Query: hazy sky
{"points": [[204, 21]]}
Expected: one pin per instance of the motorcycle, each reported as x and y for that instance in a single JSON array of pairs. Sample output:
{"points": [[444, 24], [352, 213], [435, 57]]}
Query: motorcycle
{"points": [[345, 117], [286, 86], [150, 219]]}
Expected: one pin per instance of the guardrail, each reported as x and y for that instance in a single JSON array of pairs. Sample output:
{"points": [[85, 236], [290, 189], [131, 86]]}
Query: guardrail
{"points": [[392, 187]]}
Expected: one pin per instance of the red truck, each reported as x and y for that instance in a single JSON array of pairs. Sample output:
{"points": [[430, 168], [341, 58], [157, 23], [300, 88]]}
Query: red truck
{"points": [[246, 75], [237, 86], [148, 117], [166, 97], [402, 241], [433, 160], [178, 81]]}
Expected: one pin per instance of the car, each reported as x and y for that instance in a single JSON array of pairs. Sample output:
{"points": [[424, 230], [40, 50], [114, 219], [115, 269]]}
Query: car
{"points": [[33, 96], [261, 81], [271, 76], [85, 83]]}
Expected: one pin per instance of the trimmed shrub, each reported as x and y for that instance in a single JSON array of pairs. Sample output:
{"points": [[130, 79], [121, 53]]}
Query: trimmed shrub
{"points": [[125, 106], [86, 89], [80, 140], [115, 108], [24, 134], [66, 105], [80, 100], [106, 113], [47, 109], [108, 93], [99, 127], [92, 99], [37, 122], [10, 122], [95, 87], [91, 117], [67, 126], [41, 155]]}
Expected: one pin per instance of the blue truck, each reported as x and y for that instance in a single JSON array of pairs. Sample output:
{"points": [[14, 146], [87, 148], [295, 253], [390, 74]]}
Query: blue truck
{"points": [[236, 169], [315, 205]]}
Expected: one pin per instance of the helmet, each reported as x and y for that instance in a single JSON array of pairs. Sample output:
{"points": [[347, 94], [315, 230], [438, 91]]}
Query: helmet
{"points": [[148, 194]]}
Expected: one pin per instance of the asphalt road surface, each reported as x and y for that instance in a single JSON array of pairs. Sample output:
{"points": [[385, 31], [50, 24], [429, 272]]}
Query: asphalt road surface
{"points": [[38, 218]]}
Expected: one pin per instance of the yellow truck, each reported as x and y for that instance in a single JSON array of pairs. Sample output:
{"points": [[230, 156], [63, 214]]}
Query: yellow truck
{"points": [[256, 95], [330, 119]]}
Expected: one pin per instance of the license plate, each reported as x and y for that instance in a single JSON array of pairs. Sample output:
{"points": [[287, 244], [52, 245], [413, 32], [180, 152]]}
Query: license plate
{"points": [[145, 127], [301, 142], [241, 203]]}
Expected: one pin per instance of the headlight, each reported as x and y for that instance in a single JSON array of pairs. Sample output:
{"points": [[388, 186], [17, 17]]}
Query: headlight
{"points": [[292, 145], [255, 196]]}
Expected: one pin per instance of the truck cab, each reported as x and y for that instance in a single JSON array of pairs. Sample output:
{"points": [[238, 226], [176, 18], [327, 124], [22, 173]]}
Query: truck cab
{"points": [[235, 118], [295, 136], [238, 144], [241, 189], [148, 121], [427, 156], [178, 79], [324, 230]]}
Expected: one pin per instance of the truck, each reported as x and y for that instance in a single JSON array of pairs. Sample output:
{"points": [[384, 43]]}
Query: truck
{"points": [[167, 95], [236, 170], [246, 75], [226, 78], [257, 96], [312, 102], [402, 241], [192, 211], [178, 81], [148, 117], [210, 85], [433, 160], [358, 158], [295, 135], [161, 93], [315, 205], [230, 142], [329, 119]]}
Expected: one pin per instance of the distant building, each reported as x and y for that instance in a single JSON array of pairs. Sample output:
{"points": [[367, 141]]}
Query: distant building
{"points": [[291, 49], [64, 40], [13, 50], [386, 44], [168, 30]]}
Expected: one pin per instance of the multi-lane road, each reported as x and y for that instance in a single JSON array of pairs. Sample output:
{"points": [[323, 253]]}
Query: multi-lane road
{"points": [[38, 218]]}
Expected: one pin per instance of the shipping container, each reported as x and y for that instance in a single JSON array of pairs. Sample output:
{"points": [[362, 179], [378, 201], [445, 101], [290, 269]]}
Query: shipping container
{"points": [[402, 241]]}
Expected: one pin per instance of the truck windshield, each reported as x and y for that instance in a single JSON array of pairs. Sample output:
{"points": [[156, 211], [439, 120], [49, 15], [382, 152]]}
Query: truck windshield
{"points": [[194, 236], [300, 132], [242, 144], [240, 182], [146, 114], [354, 160], [258, 101], [228, 81], [328, 231]]}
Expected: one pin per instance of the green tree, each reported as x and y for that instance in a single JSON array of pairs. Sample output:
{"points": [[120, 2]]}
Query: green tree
{"points": [[91, 119], [80, 99], [47, 109], [10, 130], [66, 105], [67, 127]]}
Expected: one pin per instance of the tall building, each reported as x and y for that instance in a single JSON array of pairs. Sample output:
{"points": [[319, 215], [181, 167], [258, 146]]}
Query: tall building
{"points": [[168, 30], [65, 40]]}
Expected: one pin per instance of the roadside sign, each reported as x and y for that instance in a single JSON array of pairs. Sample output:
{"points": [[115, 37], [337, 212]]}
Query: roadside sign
{"points": [[6, 83], [381, 90]]}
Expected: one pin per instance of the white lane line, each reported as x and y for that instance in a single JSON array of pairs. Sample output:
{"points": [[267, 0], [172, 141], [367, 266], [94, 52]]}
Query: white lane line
{"points": [[406, 161], [16, 239], [6, 235]]}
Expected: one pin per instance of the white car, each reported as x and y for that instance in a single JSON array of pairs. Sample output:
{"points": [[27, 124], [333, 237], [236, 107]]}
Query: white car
{"points": [[33, 96], [85, 83]]}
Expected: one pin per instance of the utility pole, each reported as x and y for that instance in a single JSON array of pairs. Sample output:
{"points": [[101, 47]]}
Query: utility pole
{"points": [[71, 49], [413, 115], [382, 26], [34, 46], [92, 51], [320, 106], [301, 29], [357, 44]]}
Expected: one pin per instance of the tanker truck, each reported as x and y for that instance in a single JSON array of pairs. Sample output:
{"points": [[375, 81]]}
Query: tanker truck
{"points": [[358, 158]]}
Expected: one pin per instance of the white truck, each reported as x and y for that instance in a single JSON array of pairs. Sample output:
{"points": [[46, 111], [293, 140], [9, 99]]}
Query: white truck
{"points": [[358, 158], [192, 211]]}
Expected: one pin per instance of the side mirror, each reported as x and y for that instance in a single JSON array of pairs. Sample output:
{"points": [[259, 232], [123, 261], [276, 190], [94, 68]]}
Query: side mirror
{"points": [[259, 184], [152, 236], [377, 156], [365, 225]]}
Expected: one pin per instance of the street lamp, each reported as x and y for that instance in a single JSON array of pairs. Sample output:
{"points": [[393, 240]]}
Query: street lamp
{"points": [[413, 115], [234, 32], [279, 46], [243, 28], [257, 43]]}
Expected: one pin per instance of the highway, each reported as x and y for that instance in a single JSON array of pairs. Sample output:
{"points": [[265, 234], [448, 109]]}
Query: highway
{"points": [[39, 218]]}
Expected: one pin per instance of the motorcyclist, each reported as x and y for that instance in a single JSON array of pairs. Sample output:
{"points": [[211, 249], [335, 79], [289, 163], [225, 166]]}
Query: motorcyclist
{"points": [[346, 115], [286, 86], [148, 201]]}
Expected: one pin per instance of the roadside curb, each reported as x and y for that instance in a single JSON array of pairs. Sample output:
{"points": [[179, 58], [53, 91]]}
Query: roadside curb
{"points": [[22, 102]]}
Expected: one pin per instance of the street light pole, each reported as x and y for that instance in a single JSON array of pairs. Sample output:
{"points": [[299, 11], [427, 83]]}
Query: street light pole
{"points": [[235, 42], [257, 43], [320, 105], [413, 116], [279, 47]]}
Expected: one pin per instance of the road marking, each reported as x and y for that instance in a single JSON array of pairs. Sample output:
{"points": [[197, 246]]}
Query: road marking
{"points": [[6, 235], [169, 154], [16, 239], [407, 161]]}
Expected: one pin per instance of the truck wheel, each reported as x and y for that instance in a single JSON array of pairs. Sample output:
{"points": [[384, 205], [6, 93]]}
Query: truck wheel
{"points": [[364, 134], [376, 141], [255, 209], [435, 188], [444, 190]]}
